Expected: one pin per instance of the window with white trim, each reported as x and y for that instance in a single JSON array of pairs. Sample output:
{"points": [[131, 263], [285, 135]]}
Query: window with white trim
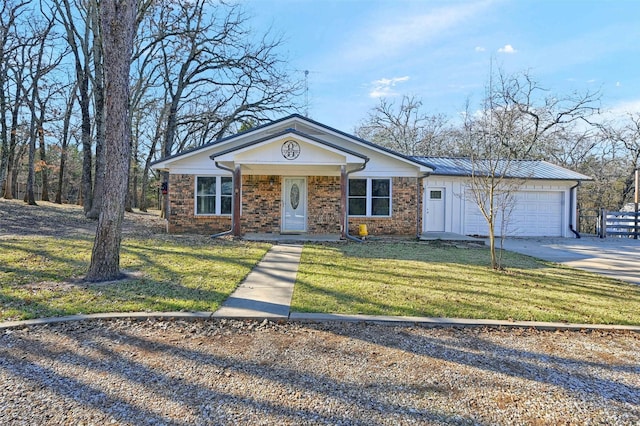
{"points": [[369, 197], [213, 195]]}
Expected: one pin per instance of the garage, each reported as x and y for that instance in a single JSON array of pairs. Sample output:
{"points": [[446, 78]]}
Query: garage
{"points": [[534, 214]]}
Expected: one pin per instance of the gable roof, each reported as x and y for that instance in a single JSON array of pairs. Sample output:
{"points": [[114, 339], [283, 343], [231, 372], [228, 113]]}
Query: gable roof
{"points": [[518, 169], [296, 118], [289, 132]]}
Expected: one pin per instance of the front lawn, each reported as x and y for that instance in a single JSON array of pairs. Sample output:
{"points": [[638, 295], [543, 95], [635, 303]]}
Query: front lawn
{"points": [[435, 280], [39, 276]]}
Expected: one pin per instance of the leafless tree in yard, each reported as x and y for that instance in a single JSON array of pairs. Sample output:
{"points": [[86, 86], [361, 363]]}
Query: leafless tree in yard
{"points": [[517, 119], [117, 22]]}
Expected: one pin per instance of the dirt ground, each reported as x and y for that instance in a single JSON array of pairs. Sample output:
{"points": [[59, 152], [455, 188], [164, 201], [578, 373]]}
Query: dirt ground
{"points": [[50, 219]]}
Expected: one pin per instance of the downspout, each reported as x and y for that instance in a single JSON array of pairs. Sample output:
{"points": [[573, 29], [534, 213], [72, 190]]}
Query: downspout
{"points": [[230, 231], [419, 203], [346, 210], [572, 191]]}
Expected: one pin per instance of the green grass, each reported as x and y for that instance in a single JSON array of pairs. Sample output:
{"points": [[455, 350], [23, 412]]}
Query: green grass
{"points": [[40, 276], [439, 281]]}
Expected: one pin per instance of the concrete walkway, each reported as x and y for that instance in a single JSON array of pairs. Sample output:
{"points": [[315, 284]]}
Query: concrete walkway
{"points": [[612, 257], [267, 290]]}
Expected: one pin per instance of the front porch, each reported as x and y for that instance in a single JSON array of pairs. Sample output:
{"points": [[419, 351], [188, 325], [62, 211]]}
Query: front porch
{"points": [[284, 238], [280, 238]]}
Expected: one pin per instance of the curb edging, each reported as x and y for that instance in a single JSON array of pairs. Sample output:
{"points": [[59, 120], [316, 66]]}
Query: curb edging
{"points": [[316, 317]]}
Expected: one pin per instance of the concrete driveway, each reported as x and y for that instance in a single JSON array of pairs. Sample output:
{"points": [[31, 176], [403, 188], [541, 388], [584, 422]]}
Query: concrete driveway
{"points": [[615, 257]]}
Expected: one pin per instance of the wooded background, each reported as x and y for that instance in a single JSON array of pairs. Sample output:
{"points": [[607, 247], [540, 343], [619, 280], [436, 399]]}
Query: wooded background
{"points": [[198, 73]]}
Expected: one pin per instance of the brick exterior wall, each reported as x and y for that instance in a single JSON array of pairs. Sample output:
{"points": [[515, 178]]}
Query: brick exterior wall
{"points": [[261, 203], [403, 217], [323, 207], [182, 218], [261, 207]]}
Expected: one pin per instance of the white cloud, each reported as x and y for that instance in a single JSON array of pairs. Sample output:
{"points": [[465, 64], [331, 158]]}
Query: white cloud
{"points": [[618, 84], [507, 49], [384, 87], [480, 49], [394, 35], [626, 107], [619, 112]]}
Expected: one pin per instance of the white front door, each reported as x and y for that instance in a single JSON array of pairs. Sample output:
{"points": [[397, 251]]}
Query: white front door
{"points": [[294, 212], [434, 210]]}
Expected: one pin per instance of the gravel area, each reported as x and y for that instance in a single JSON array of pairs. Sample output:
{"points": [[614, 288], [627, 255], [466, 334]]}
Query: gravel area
{"points": [[241, 372]]}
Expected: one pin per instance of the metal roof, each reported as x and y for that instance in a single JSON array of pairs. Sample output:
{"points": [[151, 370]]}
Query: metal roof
{"points": [[520, 169]]}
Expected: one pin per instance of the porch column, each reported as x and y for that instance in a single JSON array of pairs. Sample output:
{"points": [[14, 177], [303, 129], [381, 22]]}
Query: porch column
{"points": [[344, 183], [235, 214]]}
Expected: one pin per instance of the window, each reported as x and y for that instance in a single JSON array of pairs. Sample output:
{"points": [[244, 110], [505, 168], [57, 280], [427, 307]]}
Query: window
{"points": [[435, 195], [213, 195], [369, 197]]}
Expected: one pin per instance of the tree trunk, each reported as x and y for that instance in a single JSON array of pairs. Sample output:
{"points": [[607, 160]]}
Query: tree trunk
{"points": [[117, 30], [127, 201], [65, 144], [43, 158], [143, 191], [61, 170], [147, 165], [4, 133], [13, 143], [87, 157], [98, 183], [98, 100], [492, 247], [134, 202], [8, 184], [30, 196]]}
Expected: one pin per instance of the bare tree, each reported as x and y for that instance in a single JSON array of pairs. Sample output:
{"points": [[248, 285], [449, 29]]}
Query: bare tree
{"points": [[405, 128], [64, 141], [74, 16], [117, 21], [41, 62], [491, 186], [97, 83], [213, 76], [624, 134], [12, 75], [542, 115], [515, 122]]}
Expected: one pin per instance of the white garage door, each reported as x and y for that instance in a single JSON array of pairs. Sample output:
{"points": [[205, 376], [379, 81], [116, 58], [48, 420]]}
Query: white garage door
{"points": [[535, 214]]}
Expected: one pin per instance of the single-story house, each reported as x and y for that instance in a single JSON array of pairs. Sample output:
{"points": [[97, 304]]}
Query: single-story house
{"points": [[295, 175]]}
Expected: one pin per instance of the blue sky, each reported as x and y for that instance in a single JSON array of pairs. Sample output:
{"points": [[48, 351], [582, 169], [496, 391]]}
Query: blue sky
{"points": [[440, 51]]}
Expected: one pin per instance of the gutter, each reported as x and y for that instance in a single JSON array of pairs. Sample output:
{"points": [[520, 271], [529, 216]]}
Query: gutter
{"points": [[418, 203], [346, 210], [572, 191], [230, 231]]}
